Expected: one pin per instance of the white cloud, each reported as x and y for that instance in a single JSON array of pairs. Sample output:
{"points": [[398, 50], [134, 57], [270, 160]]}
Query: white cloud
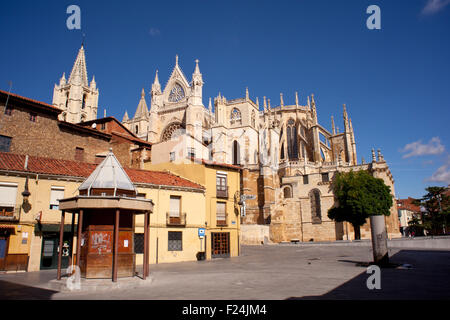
{"points": [[417, 148], [434, 6], [442, 174], [155, 31]]}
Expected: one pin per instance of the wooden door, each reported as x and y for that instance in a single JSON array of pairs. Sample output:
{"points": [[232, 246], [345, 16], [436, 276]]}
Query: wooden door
{"points": [[220, 244], [3, 252]]}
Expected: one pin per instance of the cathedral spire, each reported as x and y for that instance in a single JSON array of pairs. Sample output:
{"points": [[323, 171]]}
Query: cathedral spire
{"points": [[79, 70], [265, 104], [125, 116], [332, 125], [142, 110], [257, 102], [63, 80], [210, 105], [197, 69], [197, 79], [346, 124], [281, 100], [156, 87], [309, 104], [247, 96], [296, 99], [313, 107], [93, 84], [176, 60]]}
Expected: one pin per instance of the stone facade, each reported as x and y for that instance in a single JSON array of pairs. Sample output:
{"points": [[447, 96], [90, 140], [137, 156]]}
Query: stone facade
{"points": [[32, 128], [40, 136], [288, 158]]}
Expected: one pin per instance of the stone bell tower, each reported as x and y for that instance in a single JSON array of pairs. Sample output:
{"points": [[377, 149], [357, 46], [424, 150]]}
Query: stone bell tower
{"points": [[76, 97]]}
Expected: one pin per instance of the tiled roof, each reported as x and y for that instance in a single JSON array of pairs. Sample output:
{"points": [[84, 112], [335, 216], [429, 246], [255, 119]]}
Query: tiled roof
{"points": [[41, 165], [40, 103], [407, 204]]}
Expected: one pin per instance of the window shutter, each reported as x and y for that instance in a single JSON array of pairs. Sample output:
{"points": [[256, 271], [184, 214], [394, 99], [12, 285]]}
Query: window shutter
{"points": [[8, 194], [175, 206], [221, 214], [55, 195]]}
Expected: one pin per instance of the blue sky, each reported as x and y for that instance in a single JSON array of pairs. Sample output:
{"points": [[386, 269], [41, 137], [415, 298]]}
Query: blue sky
{"points": [[395, 81]]}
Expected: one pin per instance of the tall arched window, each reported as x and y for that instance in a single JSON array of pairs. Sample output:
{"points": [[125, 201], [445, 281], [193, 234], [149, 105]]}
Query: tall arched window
{"points": [[236, 153], [136, 129], [67, 100], [316, 210], [83, 104], [235, 117], [302, 150], [291, 133], [253, 119]]}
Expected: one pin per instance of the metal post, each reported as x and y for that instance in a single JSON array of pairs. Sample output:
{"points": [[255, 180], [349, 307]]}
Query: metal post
{"points": [[116, 245], [72, 233], [79, 228], [145, 264], [61, 234]]}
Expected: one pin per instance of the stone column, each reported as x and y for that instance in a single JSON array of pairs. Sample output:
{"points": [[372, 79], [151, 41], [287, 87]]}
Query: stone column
{"points": [[379, 240]]}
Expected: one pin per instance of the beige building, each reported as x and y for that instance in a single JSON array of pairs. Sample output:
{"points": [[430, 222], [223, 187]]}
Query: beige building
{"points": [[30, 225], [222, 208]]}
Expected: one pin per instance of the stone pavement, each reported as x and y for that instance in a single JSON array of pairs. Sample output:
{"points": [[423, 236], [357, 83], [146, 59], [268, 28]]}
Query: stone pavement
{"points": [[268, 272]]}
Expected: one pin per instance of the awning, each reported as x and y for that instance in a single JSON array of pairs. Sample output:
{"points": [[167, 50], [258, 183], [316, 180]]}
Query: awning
{"points": [[9, 227], [54, 228]]}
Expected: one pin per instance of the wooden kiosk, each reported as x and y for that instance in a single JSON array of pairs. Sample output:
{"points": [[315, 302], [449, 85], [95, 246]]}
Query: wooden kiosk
{"points": [[106, 206]]}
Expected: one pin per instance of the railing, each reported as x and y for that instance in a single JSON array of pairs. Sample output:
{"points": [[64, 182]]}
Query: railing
{"points": [[10, 214], [179, 221], [221, 223], [222, 193]]}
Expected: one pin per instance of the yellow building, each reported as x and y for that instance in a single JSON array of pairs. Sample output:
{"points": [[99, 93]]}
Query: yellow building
{"points": [[29, 230], [222, 220]]}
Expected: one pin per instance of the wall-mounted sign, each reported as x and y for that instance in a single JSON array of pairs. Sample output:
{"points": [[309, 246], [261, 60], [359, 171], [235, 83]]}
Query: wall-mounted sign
{"points": [[201, 232]]}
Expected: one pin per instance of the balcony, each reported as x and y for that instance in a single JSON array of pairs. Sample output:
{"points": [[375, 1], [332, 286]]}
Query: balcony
{"points": [[9, 214], [221, 223], [222, 192], [176, 221]]}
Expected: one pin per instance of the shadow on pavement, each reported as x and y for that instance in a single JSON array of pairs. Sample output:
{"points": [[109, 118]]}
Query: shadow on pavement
{"points": [[15, 291], [427, 279]]}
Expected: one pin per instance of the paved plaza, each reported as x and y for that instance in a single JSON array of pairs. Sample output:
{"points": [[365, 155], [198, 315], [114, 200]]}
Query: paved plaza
{"points": [[274, 272]]}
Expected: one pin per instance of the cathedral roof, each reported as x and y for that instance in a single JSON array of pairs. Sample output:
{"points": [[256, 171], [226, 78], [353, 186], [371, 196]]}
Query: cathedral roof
{"points": [[142, 110], [79, 70]]}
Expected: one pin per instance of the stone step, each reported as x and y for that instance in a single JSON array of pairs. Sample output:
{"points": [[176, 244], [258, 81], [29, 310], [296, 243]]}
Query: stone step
{"points": [[64, 285]]}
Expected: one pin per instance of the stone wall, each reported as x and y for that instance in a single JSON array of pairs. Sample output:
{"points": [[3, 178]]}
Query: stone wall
{"points": [[46, 137]]}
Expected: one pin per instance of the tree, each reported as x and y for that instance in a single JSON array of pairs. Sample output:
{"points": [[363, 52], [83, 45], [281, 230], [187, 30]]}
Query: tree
{"points": [[359, 195], [436, 215]]}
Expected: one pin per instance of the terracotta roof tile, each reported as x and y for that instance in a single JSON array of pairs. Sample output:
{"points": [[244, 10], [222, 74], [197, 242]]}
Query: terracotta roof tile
{"points": [[41, 165], [408, 204]]}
